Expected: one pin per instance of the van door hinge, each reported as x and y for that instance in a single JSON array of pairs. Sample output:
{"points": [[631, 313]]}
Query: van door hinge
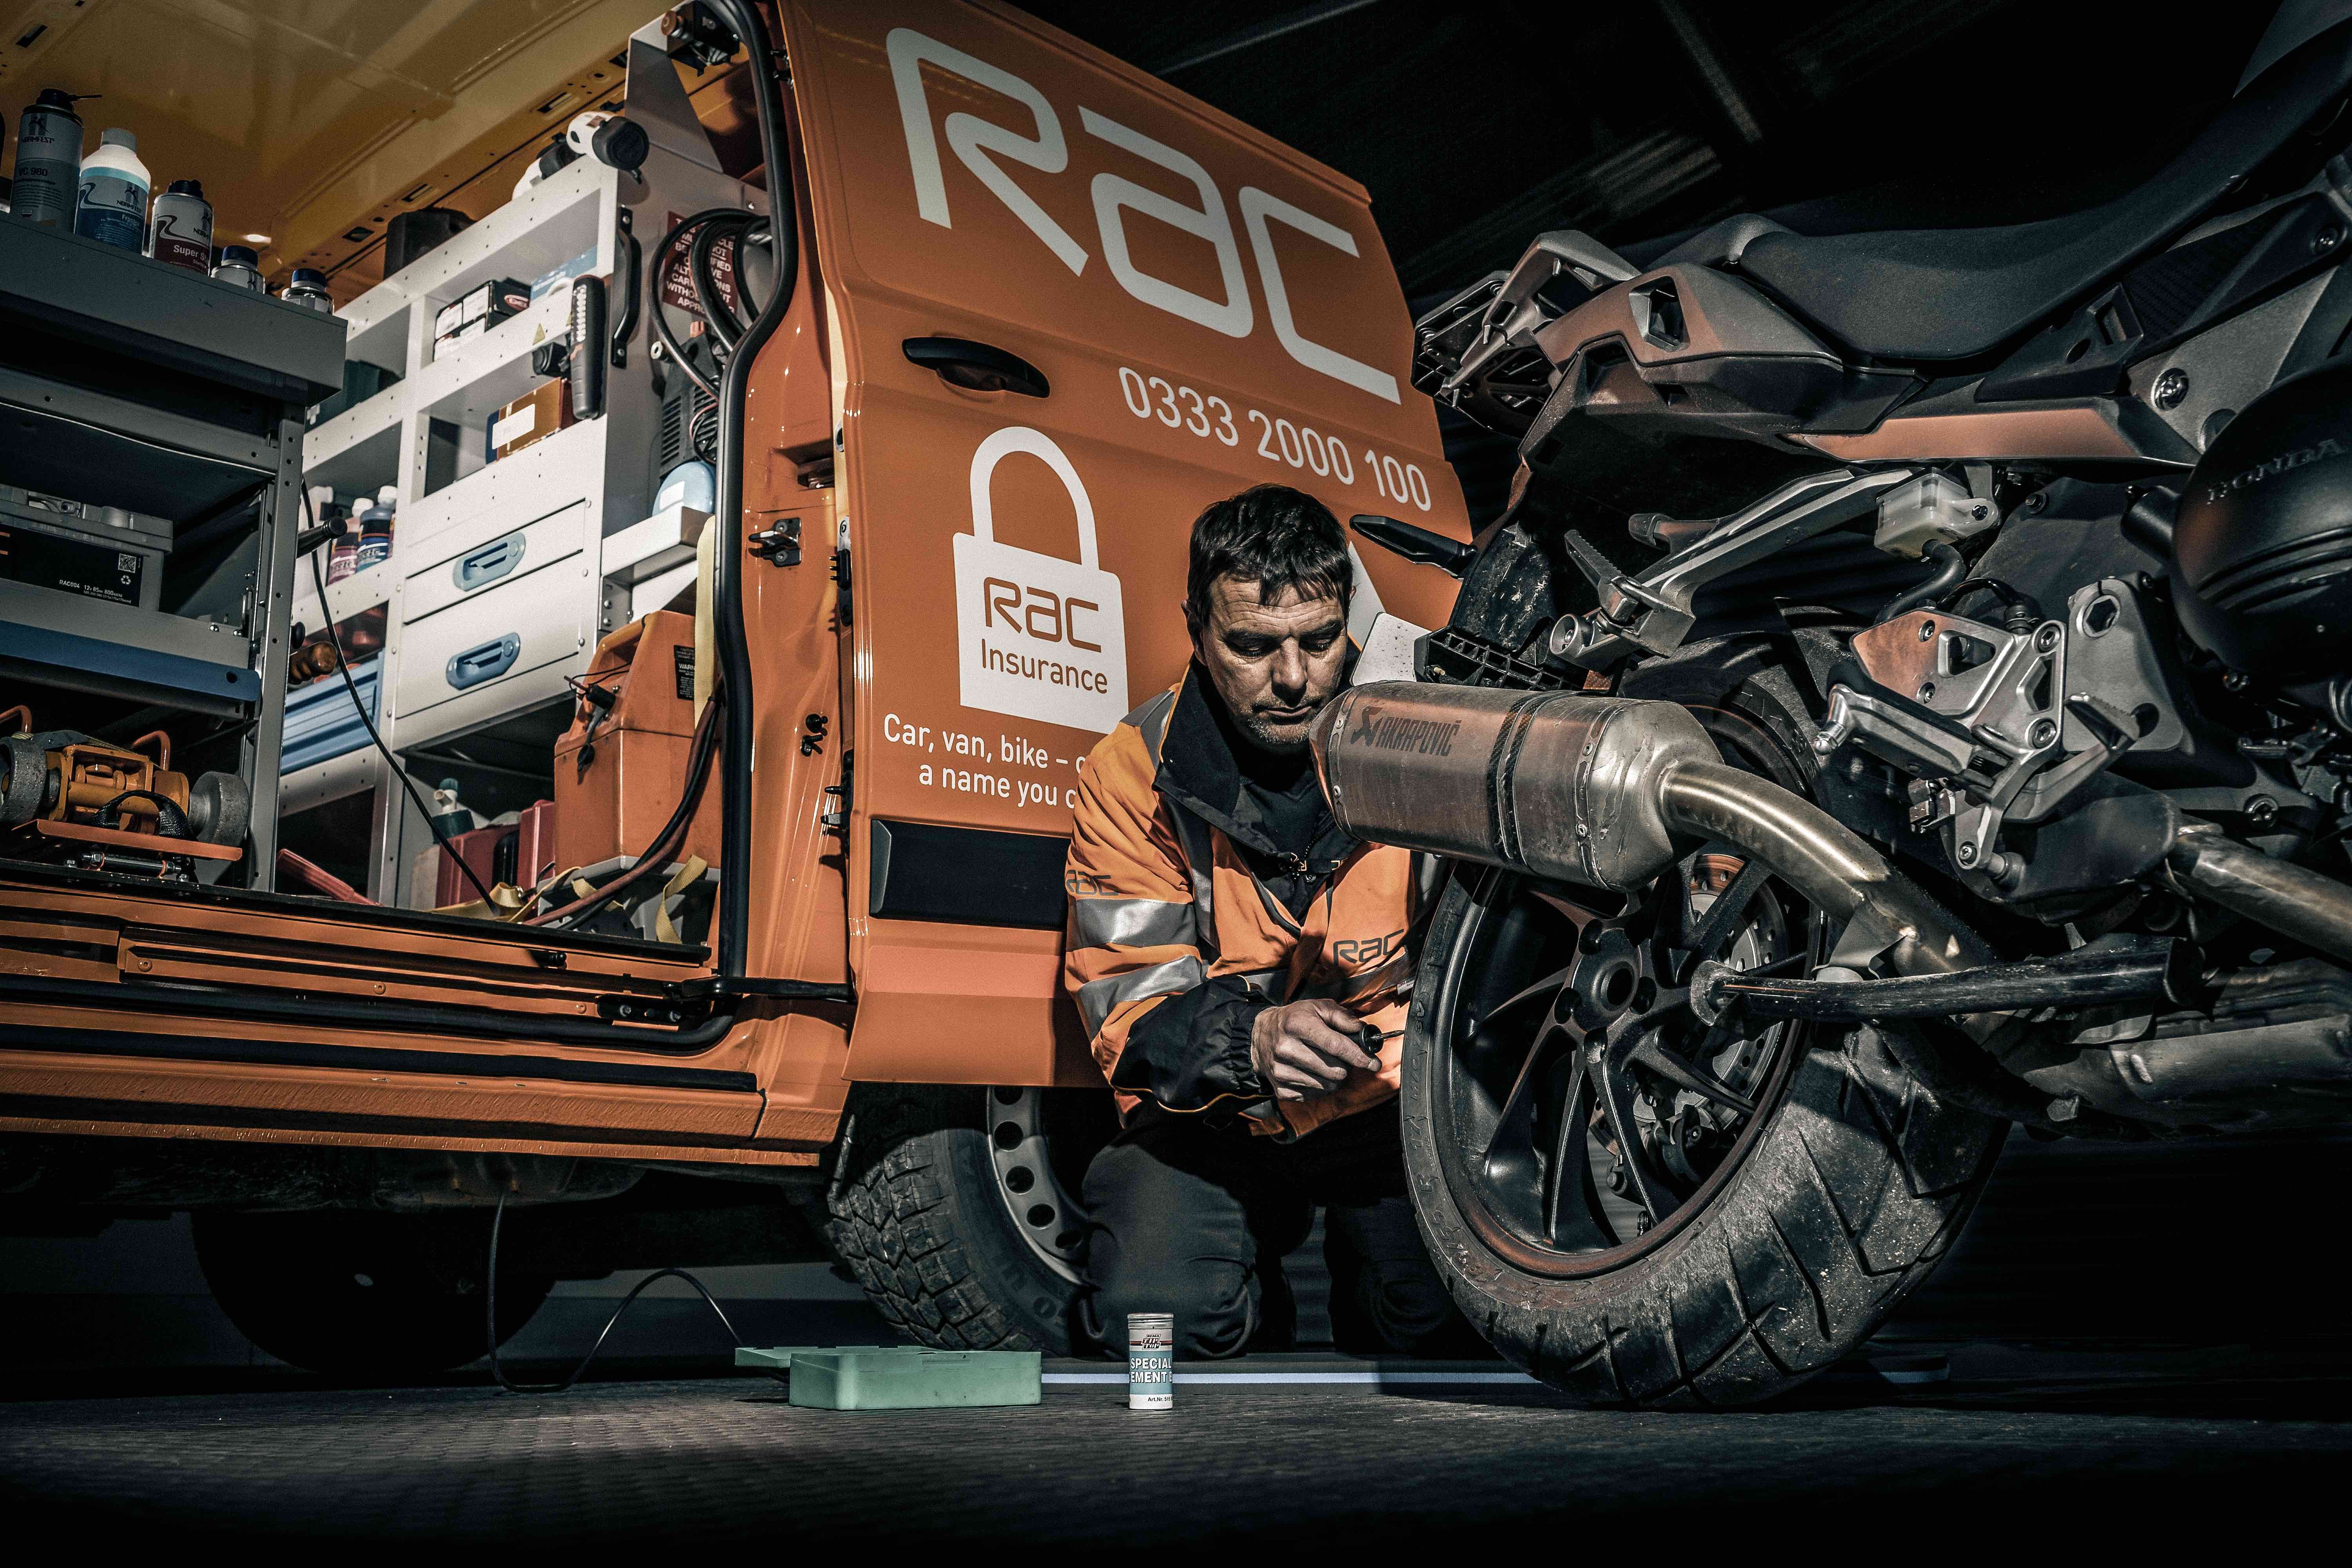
{"points": [[837, 820], [779, 544]]}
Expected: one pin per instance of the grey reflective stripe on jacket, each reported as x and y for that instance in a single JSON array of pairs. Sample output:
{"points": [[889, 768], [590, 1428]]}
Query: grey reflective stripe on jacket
{"points": [[1097, 1000], [1131, 922], [1150, 722], [1199, 867]]}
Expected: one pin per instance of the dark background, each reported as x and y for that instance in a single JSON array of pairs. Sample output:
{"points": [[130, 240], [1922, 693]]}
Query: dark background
{"points": [[1476, 127]]}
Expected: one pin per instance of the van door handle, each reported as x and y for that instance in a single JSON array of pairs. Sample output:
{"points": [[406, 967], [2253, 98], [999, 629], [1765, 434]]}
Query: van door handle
{"points": [[977, 367]]}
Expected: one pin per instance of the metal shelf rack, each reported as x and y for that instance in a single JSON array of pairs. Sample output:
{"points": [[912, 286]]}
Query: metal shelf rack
{"points": [[496, 590], [127, 383]]}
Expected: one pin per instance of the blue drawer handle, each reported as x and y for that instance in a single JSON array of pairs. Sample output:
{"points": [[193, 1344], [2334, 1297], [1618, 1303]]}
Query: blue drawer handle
{"points": [[487, 565], [486, 662]]}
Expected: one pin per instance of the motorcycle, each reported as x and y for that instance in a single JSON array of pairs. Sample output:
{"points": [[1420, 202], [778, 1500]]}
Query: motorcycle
{"points": [[1906, 695]]}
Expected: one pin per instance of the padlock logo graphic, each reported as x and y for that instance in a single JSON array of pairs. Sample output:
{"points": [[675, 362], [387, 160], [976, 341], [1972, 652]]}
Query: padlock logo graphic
{"points": [[1037, 636]]}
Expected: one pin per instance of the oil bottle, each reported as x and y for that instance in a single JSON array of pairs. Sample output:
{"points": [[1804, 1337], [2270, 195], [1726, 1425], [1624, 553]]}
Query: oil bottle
{"points": [[112, 204], [48, 160]]}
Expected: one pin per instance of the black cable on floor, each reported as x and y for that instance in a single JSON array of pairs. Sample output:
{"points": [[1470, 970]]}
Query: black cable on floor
{"points": [[490, 1315], [344, 666]]}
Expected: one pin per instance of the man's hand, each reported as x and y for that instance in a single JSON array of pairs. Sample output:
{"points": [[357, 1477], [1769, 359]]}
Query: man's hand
{"points": [[1307, 1049]]}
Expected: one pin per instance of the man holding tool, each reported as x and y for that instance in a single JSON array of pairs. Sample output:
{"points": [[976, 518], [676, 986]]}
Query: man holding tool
{"points": [[1241, 964]]}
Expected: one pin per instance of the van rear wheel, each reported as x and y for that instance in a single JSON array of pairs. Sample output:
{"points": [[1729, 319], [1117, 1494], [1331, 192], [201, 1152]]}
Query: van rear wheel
{"points": [[353, 1292], [957, 1209]]}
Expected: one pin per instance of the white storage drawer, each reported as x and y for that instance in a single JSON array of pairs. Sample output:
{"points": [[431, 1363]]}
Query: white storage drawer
{"points": [[508, 630], [482, 554]]}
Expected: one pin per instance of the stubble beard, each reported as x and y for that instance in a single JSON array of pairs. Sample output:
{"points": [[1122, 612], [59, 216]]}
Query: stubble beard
{"points": [[1285, 739]]}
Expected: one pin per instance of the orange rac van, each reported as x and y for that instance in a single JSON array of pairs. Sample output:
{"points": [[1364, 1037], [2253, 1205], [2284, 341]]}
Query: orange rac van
{"points": [[1037, 309]]}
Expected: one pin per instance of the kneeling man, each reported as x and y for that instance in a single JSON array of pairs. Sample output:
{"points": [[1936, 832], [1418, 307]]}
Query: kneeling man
{"points": [[1236, 957]]}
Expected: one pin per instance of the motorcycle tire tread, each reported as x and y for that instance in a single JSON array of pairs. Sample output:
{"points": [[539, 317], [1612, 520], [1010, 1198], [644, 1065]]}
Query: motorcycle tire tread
{"points": [[1854, 1193]]}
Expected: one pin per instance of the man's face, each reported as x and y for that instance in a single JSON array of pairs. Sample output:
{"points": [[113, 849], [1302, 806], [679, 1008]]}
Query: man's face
{"points": [[1275, 664]]}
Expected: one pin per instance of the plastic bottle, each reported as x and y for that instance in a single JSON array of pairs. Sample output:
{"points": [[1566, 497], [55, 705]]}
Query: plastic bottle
{"points": [[375, 529], [182, 233], [112, 205], [308, 288], [48, 160], [7, 189], [240, 266]]}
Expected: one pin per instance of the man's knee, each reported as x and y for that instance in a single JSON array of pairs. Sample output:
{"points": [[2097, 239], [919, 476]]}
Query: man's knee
{"points": [[1168, 1232], [1211, 1299]]}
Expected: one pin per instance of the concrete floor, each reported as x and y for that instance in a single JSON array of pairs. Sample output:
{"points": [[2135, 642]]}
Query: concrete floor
{"points": [[2114, 1443], [2136, 1343]]}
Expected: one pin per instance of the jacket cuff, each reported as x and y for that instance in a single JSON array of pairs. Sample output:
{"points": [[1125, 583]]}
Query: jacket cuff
{"points": [[1191, 1053]]}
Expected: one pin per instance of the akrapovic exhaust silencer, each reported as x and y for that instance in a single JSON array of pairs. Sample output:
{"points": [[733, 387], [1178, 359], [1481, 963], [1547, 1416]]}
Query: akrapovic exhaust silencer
{"points": [[1565, 785], [1593, 789]]}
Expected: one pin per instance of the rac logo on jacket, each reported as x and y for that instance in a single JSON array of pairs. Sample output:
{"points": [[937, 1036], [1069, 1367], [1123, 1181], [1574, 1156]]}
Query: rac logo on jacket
{"points": [[1362, 953], [1426, 737]]}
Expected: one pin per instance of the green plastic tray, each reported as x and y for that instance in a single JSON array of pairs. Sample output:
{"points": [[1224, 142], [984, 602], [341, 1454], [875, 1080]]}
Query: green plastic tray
{"points": [[900, 1377]]}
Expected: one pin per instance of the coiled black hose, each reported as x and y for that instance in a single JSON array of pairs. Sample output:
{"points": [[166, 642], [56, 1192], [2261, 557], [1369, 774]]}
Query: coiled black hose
{"points": [[673, 832]]}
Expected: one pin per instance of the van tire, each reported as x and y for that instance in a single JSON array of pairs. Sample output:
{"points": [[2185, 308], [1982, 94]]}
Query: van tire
{"points": [[291, 1284], [917, 1216]]}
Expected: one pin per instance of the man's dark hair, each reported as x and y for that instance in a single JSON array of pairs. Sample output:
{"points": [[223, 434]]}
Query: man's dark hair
{"points": [[1283, 537]]}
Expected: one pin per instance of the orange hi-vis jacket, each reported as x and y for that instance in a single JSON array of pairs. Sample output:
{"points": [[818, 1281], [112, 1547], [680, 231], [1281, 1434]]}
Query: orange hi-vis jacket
{"points": [[1166, 913]]}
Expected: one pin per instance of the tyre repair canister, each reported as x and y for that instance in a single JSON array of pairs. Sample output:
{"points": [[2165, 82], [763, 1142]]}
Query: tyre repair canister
{"points": [[1151, 1360]]}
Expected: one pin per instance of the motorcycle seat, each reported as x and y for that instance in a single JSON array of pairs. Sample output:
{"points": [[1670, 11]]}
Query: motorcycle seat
{"points": [[1957, 293]]}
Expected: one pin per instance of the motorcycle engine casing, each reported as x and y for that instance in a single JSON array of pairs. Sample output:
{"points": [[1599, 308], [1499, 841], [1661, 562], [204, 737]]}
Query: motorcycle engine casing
{"points": [[2262, 543]]}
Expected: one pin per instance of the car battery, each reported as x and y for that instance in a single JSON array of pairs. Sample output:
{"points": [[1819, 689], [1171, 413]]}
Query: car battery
{"points": [[79, 548], [620, 767], [479, 309]]}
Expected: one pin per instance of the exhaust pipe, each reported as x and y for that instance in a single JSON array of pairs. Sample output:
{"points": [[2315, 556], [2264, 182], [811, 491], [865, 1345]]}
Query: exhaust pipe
{"points": [[1595, 790], [2294, 900]]}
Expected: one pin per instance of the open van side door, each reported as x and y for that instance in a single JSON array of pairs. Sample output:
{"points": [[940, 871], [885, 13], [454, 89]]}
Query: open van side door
{"points": [[1074, 307]]}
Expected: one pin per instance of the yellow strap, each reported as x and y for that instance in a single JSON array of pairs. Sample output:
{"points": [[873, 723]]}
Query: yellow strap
{"points": [[685, 877]]}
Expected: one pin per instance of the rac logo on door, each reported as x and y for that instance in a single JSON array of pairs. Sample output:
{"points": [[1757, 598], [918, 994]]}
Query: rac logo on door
{"points": [[1047, 616], [978, 143]]}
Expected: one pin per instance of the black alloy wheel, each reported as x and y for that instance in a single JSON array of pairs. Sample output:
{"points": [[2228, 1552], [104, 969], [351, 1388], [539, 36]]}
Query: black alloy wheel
{"points": [[1588, 1110], [1638, 1206]]}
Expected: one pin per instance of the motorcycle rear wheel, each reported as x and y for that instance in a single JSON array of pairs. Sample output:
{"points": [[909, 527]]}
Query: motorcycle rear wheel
{"points": [[1801, 1187]]}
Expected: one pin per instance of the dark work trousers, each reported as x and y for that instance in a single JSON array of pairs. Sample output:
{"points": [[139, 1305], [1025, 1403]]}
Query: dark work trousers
{"points": [[1194, 1220]]}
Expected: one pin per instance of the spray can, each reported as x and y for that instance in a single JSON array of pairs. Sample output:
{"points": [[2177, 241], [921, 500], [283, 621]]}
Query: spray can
{"points": [[1151, 1360], [376, 530], [48, 160], [182, 233], [240, 268], [112, 204], [307, 289]]}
